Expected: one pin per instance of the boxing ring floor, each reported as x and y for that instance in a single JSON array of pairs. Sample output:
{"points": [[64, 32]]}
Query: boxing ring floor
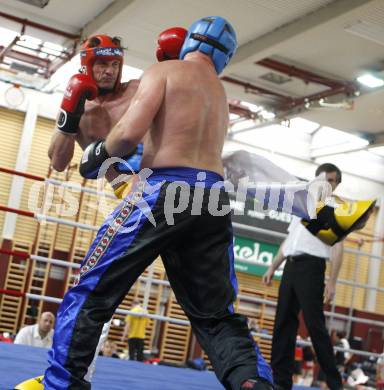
{"points": [[19, 362]]}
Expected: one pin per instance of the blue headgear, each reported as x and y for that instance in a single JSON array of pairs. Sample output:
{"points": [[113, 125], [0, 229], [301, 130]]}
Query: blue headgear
{"points": [[213, 36]]}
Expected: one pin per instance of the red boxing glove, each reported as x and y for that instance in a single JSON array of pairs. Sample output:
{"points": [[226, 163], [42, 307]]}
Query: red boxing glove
{"points": [[170, 42], [80, 87]]}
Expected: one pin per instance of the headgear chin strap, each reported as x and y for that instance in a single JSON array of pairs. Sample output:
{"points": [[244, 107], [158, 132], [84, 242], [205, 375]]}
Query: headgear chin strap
{"points": [[213, 36], [101, 47]]}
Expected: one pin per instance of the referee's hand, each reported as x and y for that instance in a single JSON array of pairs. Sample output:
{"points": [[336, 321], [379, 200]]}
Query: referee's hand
{"points": [[267, 277], [329, 293]]}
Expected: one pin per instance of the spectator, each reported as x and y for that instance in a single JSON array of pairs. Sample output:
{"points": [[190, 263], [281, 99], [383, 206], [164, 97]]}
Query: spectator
{"points": [[308, 365], [380, 372], [253, 325], [109, 349], [298, 362], [38, 335], [344, 343], [6, 337], [135, 330], [340, 356]]}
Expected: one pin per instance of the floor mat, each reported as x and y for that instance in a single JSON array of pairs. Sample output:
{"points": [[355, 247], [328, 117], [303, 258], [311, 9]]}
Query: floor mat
{"points": [[19, 362]]}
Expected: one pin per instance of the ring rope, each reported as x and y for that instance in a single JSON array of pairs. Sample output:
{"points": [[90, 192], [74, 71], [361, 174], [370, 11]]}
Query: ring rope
{"points": [[57, 182], [167, 284], [109, 195], [45, 218], [158, 317]]}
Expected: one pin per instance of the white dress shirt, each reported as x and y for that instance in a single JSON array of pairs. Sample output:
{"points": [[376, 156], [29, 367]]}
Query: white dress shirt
{"points": [[30, 335], [300, 240]]}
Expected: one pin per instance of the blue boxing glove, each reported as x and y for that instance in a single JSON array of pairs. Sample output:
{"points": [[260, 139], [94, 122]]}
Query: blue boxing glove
{"points": [[132, 162]]}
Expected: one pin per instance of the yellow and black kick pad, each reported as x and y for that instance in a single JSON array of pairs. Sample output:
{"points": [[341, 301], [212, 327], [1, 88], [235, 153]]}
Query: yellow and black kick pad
{"points": [[333, 224], [31, 384]]}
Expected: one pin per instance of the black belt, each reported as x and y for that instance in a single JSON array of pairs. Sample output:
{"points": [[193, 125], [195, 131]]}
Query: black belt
{"points": [[303, 257]]}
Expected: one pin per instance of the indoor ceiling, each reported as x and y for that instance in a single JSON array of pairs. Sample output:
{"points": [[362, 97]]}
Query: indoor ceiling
{"points": [[336, 40]]}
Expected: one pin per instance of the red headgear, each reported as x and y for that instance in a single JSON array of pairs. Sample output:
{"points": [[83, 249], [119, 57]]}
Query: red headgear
{"points": [[101, 47], [170, 42]]}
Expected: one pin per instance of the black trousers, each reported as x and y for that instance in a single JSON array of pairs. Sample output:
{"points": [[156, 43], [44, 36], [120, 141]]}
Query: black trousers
{"points": [[136, 349], [302, 287], [196, 246]]}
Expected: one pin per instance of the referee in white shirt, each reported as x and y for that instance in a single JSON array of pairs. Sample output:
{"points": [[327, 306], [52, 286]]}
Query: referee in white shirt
{"points": [[303, 288], [38, 335]]}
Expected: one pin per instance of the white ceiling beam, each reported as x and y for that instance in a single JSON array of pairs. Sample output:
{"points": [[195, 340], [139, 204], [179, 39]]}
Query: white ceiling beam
{"points": [[255, 48], [114, 9], [36, 17]]}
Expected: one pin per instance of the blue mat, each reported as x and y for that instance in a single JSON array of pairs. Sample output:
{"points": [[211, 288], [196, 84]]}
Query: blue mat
{"points": [[19, 362]]}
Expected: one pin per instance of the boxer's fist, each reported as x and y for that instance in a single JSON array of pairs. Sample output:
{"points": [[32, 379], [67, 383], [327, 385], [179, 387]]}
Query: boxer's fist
{"points": [[80, 87], [93, 157], [132, 162], [170, 42]]}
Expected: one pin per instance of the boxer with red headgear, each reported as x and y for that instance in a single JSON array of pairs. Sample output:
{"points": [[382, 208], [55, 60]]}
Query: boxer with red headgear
{"points": [[93, 103], [100, 50]]}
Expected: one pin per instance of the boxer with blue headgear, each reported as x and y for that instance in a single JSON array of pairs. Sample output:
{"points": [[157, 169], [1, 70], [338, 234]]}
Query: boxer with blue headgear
{"points": [[213, 36], [180, 110]]}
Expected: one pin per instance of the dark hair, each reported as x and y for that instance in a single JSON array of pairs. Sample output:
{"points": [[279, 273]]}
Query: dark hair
{"points": [[328, 168], [341, 334]]}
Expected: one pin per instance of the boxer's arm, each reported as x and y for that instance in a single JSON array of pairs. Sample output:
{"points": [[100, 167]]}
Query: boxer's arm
{"points": [[61, 150], [80, 88], [136, 121], [126, 329]]}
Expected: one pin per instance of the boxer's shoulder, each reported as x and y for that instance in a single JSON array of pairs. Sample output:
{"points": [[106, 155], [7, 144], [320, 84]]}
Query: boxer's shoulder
{"points": [[127, 89], [163, 69], [130, 85]]}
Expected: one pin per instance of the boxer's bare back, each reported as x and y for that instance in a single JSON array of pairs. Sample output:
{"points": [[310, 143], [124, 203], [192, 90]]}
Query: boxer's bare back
{"points": [[188, 106]]}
